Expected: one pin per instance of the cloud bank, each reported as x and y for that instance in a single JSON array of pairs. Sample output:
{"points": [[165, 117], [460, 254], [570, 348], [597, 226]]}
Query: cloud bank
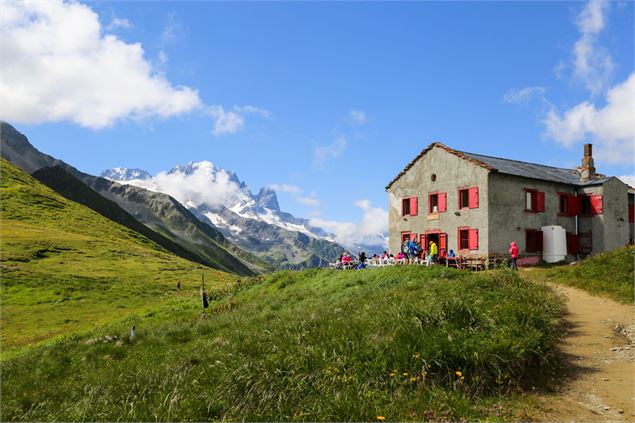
{"points": [[59, 64], [371, 231]]}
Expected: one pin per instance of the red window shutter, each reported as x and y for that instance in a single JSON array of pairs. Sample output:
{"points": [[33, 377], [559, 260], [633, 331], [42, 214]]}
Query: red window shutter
{"points": [[572, 205], [443, 242], [573, 244], [538, 240], [597, 206], [473, 239], [443, 200], [473, 198], [631, 213], [413, 237], [423, 239], [540, 201], [414, 206]]}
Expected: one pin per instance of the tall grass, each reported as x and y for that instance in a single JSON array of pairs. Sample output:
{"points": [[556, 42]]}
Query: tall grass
{"points": [[609, 274], [404, 343]]}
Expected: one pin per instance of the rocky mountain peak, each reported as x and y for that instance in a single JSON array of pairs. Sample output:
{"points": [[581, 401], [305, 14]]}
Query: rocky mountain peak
{"points": [[125, 174], [267, 199]]}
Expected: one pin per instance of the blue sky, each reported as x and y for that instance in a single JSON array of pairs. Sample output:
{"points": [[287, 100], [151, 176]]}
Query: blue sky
{"points": [[333, 99]]}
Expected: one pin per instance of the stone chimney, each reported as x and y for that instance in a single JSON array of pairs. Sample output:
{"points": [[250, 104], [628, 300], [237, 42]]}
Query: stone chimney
{"points": [[587, 171]]}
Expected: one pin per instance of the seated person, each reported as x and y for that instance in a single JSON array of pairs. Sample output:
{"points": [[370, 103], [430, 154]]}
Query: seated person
{"points": [[451, 254]]}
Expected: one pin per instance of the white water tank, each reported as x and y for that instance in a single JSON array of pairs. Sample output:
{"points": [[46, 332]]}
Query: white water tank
{"points": [[554, 243]]}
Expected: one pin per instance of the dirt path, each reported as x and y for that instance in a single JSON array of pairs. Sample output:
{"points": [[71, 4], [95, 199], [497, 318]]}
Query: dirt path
{"points": [[600, 354]]}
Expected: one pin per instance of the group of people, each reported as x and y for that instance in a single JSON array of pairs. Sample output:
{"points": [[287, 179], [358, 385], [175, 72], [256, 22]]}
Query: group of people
{"points": [[411, 252]]}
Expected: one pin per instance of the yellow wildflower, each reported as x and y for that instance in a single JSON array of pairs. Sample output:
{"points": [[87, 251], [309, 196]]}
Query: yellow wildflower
{"points": [[393, 374], [404, 374], [462, 377], [413, 379], [381, 418], [458, 373]]}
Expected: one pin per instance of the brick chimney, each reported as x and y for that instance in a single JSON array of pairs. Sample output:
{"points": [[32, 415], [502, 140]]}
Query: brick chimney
{"points": [[587, 171]]}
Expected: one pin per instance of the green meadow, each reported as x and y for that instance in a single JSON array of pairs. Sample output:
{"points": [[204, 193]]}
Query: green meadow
{"points": [[403, 343], [607, 274], [66, 268]]}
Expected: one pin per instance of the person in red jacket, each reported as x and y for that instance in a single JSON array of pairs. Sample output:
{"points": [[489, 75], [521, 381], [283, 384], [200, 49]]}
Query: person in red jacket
{"points": [[513, 251]]}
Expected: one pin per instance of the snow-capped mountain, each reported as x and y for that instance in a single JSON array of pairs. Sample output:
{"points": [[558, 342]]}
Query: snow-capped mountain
{"points": [[125, 174], [254, 222]]}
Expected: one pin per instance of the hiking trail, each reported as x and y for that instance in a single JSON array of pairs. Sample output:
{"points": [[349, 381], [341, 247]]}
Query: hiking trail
{"points": [[599, 353]]}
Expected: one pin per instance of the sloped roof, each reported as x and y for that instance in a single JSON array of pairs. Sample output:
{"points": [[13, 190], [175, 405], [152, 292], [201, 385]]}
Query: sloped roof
{"points": [[510, 167]]}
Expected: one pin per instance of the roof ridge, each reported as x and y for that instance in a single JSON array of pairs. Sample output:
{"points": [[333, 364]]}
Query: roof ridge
{"points": [[518, 161]]}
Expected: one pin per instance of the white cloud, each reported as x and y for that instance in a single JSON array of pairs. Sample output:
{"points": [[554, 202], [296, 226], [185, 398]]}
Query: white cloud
{"points": [[331, 151], [592, 64], [253, 110], [291, 189], [296, 193], [57, 65], [357, 117], [612, 127], [225, 122], [628, 179], [371, 231], [119, 23], [523, 95], [202, 185]]}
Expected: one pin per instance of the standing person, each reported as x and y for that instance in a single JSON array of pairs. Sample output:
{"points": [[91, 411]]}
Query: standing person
{"points": [[513, 251], [434, 252], [362, 257]]}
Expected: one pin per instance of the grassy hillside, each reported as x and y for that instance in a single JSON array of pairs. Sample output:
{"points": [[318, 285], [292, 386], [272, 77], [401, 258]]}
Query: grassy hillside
{"points": [[609, 274], [402, 343], [66, 268]]}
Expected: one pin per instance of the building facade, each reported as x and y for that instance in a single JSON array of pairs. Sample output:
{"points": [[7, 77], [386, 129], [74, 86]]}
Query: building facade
{"points": [[477, 204]]}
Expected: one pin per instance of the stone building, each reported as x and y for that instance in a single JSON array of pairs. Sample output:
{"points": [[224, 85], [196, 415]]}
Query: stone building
{"points": [[472, 203]]}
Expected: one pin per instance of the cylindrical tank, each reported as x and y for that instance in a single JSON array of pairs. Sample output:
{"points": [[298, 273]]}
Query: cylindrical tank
{"points": [[554, 243]]}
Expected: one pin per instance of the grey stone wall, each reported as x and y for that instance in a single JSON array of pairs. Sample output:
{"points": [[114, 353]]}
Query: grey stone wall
{"points": [[508, 219], [452, 173]]}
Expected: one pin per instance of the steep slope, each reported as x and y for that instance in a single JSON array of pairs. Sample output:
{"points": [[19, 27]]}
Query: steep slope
{"points": [[66, 267], [253, 222], [160, 212]]}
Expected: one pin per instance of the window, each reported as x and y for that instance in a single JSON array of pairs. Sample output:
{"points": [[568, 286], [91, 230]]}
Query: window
{"points": [[405, 236], [437, 202], [563, 204], [533, 240], [409, 206], [631, 213], [534, 200], [434, 203], [585, 205], [567, 204], [468, 198], [464, 239], [467, 238]]}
